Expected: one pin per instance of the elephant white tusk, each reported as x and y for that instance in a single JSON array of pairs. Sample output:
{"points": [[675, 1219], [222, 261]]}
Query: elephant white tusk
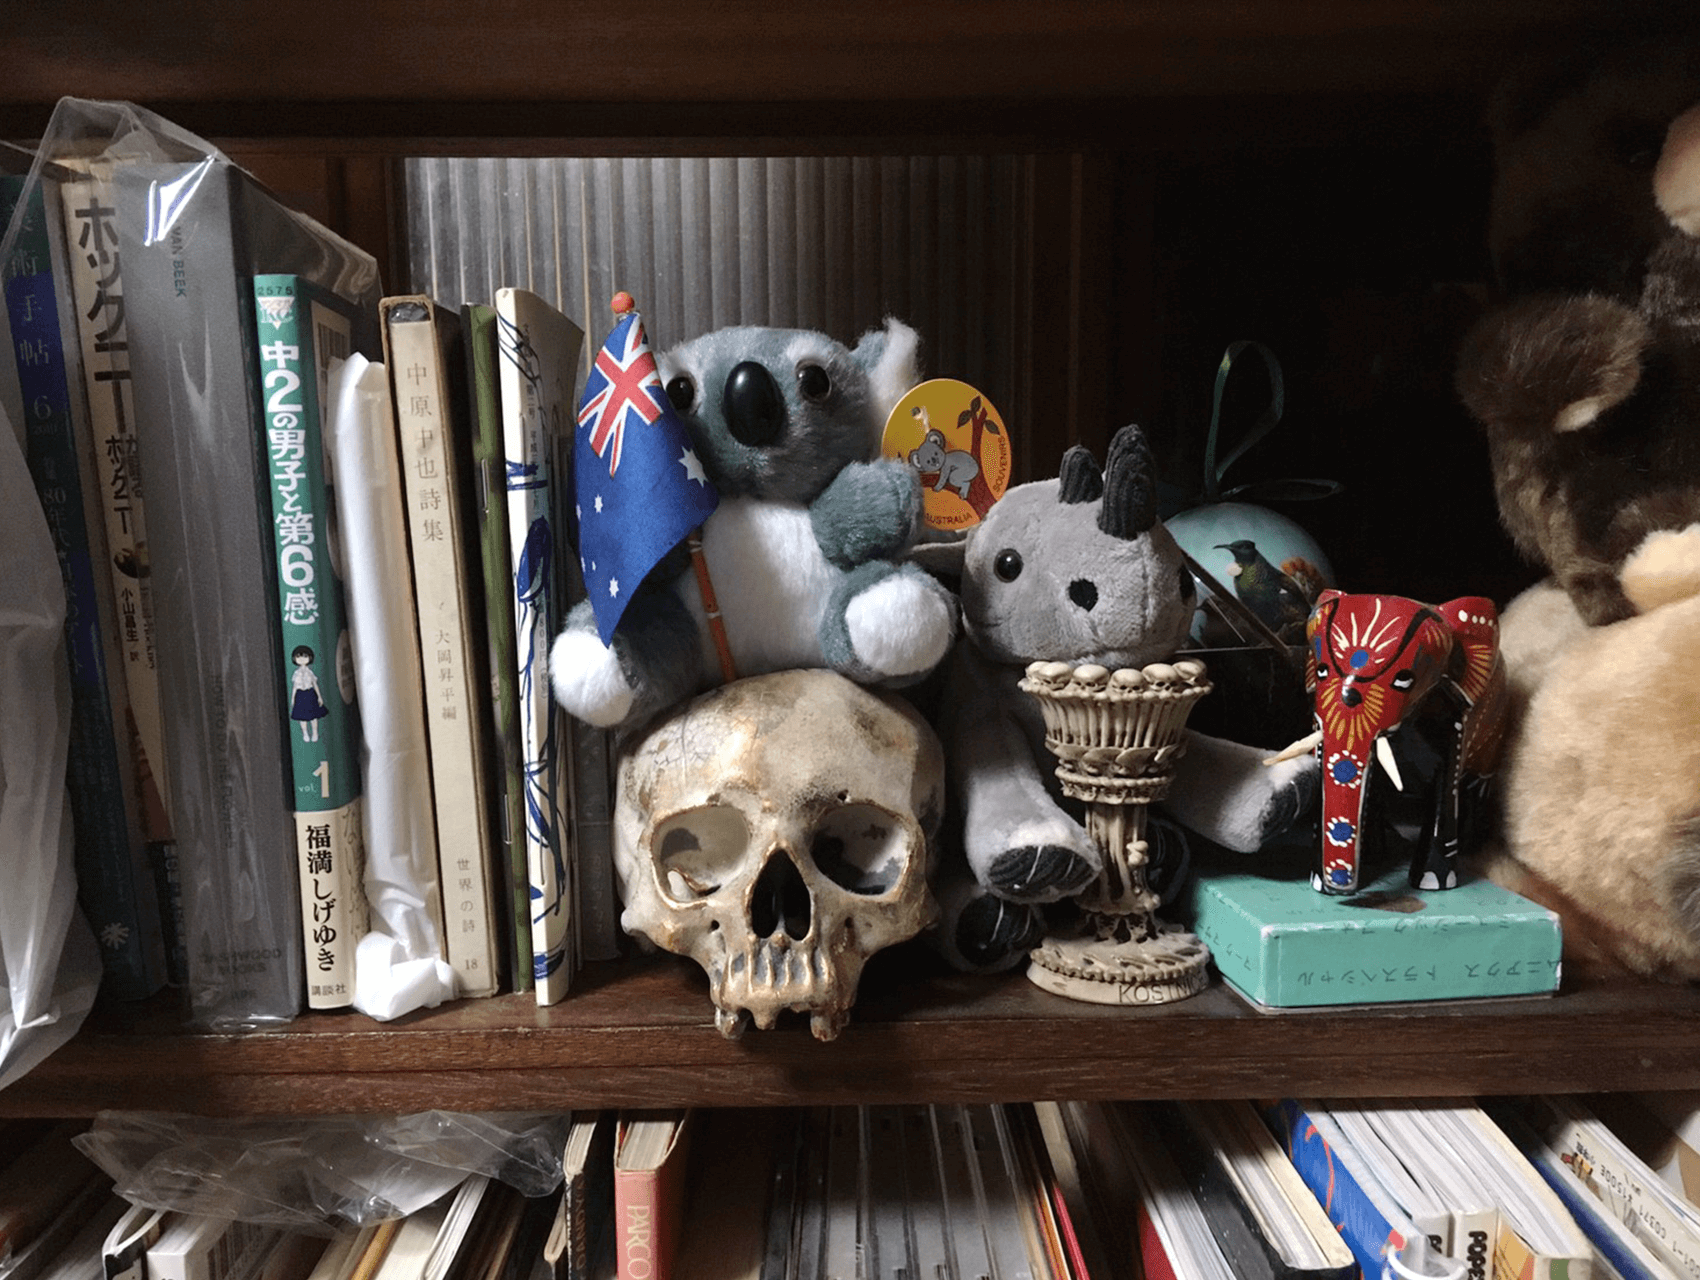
{"points": [[1297, 749], [1384, 753]]}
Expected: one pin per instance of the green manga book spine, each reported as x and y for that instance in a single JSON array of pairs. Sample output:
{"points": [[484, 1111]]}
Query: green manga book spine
{"points": [[299, 334]]}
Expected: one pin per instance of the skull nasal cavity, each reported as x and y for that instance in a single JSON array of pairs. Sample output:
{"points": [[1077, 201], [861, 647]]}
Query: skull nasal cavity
{"points": [[754, 409], [779, 903], [1351, 696], [1084, 592]]}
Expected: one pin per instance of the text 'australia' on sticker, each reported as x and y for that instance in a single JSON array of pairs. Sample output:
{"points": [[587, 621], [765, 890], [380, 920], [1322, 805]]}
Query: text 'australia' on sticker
{"points": [[951, 433]]}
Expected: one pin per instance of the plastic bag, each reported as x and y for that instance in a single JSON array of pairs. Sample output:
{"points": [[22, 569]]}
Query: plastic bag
{"points": [[320, 1173], [399, 966], [49, 966], [181, 232]]}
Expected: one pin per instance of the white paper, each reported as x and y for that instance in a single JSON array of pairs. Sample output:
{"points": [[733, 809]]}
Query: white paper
{"points": [[399, 966]]}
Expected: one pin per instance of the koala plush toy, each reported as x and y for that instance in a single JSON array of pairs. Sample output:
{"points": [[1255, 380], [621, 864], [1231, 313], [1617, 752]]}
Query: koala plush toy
{"points": [[805, 550], [1076, 569]]}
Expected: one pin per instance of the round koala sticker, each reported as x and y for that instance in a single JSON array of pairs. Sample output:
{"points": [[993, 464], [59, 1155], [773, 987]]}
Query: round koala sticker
{"points": [[951, 434]]}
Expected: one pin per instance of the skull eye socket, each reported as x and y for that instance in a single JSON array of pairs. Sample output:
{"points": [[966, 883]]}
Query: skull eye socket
{"points": [[1404, 680], [861, 848], [699, 850]]}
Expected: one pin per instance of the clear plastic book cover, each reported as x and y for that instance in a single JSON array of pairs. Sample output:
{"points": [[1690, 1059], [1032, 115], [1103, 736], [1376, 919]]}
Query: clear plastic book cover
{"points": [[165, 234], [49, 969]]}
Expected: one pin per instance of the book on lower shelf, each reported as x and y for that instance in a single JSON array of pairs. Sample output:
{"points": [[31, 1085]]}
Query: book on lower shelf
{"points": [[651, 1152], [1265, 1219], [301, 330], [1620, 1250], [196, 1246], [581, 1234], [422, 343], [1281, 944], [1380, 1234], [1604, 1165]]}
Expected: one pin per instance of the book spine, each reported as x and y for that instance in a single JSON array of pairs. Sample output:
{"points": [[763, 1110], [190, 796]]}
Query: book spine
{"points": [[530, 449], [496, 559], [196, 378], [1366, 1230], [99, 294], [107, 765], [298, 337], [453, 712], [647, 1209], [1632, 1193]]}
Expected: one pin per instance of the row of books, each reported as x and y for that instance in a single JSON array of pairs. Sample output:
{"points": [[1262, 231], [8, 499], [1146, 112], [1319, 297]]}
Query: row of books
{"points": [[313, 755], [1531, 1188]]}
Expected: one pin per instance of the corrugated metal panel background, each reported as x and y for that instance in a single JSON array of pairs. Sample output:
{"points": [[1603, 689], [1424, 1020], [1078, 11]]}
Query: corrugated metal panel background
{"points": [[834, 243]]}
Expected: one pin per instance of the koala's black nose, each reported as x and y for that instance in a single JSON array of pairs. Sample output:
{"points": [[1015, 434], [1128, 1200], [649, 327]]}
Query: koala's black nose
{"points": [[1084, 592], [754, 409]]}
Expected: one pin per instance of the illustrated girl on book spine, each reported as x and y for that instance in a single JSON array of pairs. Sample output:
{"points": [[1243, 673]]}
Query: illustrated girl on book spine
{"points": [[307, 705]]}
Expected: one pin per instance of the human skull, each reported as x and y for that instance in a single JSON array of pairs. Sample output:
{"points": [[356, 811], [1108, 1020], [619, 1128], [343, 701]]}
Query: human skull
{"points": [[779, 831]]}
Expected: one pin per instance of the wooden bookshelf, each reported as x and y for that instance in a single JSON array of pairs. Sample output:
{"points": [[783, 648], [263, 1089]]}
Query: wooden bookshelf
{"points": [[332, 93], [640, 1033]]}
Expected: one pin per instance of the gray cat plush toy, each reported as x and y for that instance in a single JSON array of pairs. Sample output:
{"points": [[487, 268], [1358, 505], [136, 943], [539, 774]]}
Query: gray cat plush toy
{"points": [[1076, 569], [805, 550]]}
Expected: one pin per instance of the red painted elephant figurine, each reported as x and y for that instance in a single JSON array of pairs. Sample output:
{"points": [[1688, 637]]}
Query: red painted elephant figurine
{"points": [[1374, 662]]}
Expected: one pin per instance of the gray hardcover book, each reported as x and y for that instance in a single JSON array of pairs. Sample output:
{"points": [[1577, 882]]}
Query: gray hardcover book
{"points": [[193, 237]]}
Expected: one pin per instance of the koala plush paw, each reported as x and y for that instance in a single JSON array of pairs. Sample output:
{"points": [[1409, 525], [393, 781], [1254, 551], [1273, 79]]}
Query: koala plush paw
{"points": [[588, 681], [1039, 873], [897, 624], [870, 511]]}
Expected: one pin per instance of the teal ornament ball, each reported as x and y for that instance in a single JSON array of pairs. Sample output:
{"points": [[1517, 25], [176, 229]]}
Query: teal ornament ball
{"points": [[1269, 562]]}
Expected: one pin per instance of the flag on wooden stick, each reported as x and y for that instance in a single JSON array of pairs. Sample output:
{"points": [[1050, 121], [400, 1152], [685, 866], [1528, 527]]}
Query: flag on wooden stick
{"points": [[639, 487]]}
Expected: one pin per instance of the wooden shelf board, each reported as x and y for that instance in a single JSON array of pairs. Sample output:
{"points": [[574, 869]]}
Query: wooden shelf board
{"points": [[640, 1033], [831, 51]]}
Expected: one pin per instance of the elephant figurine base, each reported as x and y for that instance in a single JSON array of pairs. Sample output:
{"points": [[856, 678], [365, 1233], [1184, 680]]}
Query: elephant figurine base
{"points": [[1375, 663], [1117, 735]]}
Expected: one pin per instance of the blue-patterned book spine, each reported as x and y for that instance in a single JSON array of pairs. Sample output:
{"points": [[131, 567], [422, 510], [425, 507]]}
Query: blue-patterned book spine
{"points": [[1372, 1237], [115, 879]]}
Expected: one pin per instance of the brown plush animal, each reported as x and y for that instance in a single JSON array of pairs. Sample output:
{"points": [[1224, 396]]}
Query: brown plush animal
{"points": [[1601, 786], [1587, 380]]}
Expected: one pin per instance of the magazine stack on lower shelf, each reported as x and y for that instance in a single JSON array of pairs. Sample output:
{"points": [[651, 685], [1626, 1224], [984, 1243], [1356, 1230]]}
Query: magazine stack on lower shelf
{"points": [[1293, 1189]]}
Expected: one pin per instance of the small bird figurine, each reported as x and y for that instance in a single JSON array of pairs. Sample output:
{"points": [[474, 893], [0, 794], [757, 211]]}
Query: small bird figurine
{"points": [[1267, 591]]}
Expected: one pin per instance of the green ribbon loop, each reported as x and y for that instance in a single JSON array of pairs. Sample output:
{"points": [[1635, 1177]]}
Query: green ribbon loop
{"points": [[1301, 489]]}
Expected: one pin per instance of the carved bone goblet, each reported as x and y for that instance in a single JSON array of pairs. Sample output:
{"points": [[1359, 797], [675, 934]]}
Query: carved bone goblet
{"points": [[1116, 736]]}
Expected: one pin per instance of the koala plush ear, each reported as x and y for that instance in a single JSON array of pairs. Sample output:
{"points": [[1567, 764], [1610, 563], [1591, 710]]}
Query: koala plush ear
{"points": [[892, 358]]}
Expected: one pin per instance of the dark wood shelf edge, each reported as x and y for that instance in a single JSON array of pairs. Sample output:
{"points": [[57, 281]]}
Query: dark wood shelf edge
{"points": [[640, 1033]]}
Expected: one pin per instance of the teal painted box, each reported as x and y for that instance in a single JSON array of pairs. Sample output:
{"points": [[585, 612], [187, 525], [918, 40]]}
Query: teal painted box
{"points": [[1281, 944]]}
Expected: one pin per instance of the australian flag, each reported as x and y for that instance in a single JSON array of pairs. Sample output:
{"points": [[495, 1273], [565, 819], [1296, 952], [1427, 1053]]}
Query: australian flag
{"points": [[638, 484]]}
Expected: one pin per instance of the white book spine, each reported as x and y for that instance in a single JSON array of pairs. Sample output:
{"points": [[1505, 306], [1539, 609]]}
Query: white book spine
{"points": [[538, 352]]}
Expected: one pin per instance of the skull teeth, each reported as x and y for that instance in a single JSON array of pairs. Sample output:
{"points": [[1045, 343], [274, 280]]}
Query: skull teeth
{"points": [[778, 964]]}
